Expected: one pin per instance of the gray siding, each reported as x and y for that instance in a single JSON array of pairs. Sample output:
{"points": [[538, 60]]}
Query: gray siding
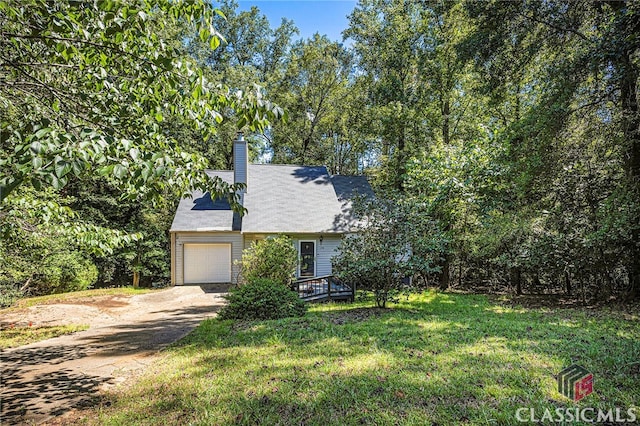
{"points": [[180, 238], [324, 251]]}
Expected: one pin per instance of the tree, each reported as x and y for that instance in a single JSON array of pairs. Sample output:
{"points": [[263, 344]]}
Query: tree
{"points": [[567, 72], [46, 247], [388, 44], [251, 52], [87, 86], [398, 240], [92, 96], [143, 261], [316, 91], [422, 101]]}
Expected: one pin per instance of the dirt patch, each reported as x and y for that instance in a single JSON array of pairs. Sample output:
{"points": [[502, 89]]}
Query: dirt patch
{"points": [[60, 314], [102, 302], [45, 380], [354, 315]]}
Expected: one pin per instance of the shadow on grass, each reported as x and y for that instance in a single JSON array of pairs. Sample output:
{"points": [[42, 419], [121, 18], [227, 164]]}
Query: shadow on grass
{"points": [[435, 359]]}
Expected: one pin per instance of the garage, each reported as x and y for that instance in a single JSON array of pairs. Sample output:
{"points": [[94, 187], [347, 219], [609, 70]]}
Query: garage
{"points": [[207, 263]]}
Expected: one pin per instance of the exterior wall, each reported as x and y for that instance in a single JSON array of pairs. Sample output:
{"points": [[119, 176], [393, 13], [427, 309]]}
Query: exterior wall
{"points": [[324, 251], [178, 240]]}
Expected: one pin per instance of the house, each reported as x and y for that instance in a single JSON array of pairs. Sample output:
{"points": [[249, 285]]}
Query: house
{"points": [[305, 203]]}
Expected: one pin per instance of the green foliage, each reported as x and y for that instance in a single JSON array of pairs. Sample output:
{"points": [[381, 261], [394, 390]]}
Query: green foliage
{"points": [[563, 88], [99, 108], [61, 272], [45, 248], [104, 82], [9, 292], [101, 203], [272, 258], [321, 99], [251, 52], [398, 240], [45, 266], [512, 126], [262, 299]]}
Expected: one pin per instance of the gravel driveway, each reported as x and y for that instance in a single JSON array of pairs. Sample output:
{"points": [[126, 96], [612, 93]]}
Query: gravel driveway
{"points": [[48, 378]]}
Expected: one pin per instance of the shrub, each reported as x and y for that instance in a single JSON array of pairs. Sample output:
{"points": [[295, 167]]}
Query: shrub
{"points": [[9, 293], [64, 271], [44, 265], [262, 299], [272, 258]]}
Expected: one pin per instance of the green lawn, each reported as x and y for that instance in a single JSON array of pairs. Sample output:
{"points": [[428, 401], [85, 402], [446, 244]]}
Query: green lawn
{"points": [[12, 337], [436, 359]]}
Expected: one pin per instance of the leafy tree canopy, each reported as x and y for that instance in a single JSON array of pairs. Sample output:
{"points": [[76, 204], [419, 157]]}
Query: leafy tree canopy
{"points": [[86, 88]]}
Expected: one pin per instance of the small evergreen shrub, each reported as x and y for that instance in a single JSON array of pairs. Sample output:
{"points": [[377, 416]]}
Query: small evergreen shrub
{"points": [[262, 299]]}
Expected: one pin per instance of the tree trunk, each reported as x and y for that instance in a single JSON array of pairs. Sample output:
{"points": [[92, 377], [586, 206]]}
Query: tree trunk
{"points": [[444, 275], [446, 131], [567, 283], [516, 279], [136, 279], [537, 283]]}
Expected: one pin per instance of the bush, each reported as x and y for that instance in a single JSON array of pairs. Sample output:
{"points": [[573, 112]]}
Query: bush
{"points": [[272, 258], [262, 299], [45, 265], [9, 293], [64, 271]]}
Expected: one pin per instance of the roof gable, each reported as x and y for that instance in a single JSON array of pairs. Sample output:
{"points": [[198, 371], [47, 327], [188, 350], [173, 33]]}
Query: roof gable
{"points": [[278, 199]]}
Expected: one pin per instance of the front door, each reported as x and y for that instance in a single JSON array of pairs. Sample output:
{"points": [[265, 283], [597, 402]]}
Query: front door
{"points": [[307, 258]]}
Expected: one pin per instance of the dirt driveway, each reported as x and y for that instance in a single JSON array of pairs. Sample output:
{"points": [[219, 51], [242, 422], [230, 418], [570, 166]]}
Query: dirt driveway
{"points": [[48, 378]]}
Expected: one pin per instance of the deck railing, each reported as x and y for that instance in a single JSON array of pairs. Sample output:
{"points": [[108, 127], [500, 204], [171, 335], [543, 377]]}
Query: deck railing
{"points": [[323, 288]]}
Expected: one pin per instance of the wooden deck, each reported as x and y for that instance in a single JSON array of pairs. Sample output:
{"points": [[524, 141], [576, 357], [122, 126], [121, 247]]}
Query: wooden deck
{"points": [[320, 289]]}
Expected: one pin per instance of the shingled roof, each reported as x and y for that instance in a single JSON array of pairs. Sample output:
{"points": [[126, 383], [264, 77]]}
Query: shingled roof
{"points": [[279, 199]]}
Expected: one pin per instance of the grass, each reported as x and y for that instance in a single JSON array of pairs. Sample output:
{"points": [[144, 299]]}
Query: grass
{"points": [[443, 359], [17, 336], [74, 295]]}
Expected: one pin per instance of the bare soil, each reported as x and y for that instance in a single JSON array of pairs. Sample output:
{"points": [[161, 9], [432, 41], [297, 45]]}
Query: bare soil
{"points": [[48, 379]]}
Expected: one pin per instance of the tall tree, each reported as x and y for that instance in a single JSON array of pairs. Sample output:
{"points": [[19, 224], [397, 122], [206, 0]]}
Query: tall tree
{"points": [[98, 89], [421, 94], [315, 89], [388, 43], [580, 60], [251, 53]]}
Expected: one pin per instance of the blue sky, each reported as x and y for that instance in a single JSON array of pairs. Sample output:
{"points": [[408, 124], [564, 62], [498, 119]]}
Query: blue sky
{"points": [[310, 16]]}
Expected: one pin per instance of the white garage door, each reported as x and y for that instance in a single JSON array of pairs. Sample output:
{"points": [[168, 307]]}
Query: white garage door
{"points": [[207, 263]]}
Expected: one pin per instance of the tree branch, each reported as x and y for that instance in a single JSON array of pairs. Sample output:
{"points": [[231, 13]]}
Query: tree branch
{"points": [[555, 27]]}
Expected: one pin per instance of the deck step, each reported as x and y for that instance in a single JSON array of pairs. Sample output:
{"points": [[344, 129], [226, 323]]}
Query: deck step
{"points": [[318, 289]]}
